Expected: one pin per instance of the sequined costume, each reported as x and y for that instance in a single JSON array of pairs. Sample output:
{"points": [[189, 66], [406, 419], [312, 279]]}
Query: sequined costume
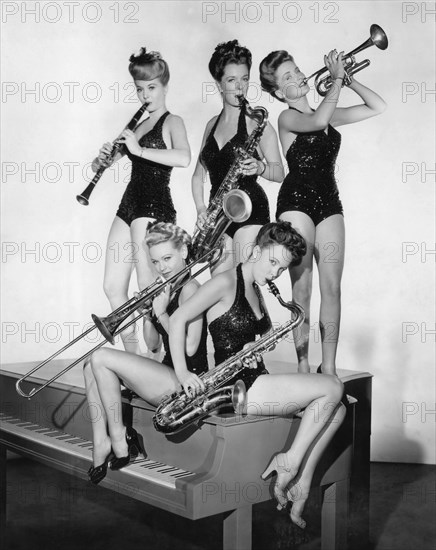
{"points": [[310, 185], [239, 326], [197, 363], [148, 195], [218, 161]]}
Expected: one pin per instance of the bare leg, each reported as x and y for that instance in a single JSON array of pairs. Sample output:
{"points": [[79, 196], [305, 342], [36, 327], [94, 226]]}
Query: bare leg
{"points": [[289, 393], [117, 273], [227, 260], [243, 242], [301, 278], [145, 272], [102, 442], [330, 247], [299, 487], [149, 379], [144, 269]]}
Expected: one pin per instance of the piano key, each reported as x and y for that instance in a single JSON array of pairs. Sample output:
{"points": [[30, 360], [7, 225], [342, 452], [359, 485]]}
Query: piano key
{"points": [[142, 468]]}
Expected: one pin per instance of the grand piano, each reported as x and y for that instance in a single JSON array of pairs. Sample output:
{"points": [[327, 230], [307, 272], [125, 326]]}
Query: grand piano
{"points": [[206, 470]]}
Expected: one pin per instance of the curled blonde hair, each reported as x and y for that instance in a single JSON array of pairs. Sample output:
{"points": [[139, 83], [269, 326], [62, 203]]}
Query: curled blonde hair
{"points": [[163, 232]]}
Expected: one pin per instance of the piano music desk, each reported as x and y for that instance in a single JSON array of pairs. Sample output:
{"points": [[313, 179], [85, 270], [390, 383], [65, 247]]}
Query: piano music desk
{"points": [[197, 473]]}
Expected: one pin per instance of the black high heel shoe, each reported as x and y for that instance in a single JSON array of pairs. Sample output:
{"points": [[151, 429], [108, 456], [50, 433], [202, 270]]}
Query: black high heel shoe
{"points": [[319, 369], [134, 447], [98, 473]]}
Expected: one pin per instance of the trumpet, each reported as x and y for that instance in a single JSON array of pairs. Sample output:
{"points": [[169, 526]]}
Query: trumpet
{"points": [[83, 198], [109, 326], [377, 38]]}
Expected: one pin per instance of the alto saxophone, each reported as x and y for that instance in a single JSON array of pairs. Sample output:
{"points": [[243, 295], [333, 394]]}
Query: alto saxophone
{"points": [[177, 411], [230, 204]]}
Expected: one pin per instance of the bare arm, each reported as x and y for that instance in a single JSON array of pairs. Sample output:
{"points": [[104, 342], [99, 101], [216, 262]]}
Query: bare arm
{"points": [[102, 158], [199, 175], [151, 336], [195, 327], [293, 121], [211, 293], [272, 169], [178, 155], [373, 105]]}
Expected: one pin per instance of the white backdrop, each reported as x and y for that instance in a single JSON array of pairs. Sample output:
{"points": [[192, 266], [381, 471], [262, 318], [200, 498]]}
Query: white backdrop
{"points": [[66, 90]]}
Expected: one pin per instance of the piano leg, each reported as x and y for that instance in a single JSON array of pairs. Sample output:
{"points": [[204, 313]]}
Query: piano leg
{"points": [[3, 465], [237, 529], [334, 516]]}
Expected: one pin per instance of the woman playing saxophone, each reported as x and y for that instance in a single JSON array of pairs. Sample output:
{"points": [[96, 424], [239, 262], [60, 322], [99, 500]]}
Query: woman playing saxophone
{"points": [[230, 67], [236, 314]]}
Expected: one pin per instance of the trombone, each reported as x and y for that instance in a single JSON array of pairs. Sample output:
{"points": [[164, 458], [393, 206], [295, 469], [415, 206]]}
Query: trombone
{"points": [[377, 38], [110, 326]]}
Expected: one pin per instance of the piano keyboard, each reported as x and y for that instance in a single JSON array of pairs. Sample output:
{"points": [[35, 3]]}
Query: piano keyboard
{"points": [[77, 447]]}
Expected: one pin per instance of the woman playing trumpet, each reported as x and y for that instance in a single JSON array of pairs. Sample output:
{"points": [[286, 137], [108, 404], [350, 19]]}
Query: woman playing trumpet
{"points": [[230, 67], [236, 313], [156, 146], [168, 246], [309, 196]]}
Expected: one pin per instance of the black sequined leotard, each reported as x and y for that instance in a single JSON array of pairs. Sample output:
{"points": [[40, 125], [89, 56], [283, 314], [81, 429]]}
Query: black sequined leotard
{"points": [[218, 161], [197, 363], [148, 195], [310, 186], [239, 326]]}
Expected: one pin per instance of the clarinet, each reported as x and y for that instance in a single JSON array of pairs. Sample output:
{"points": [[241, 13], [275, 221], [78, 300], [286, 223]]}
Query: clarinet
{"points": [[83, 198]]}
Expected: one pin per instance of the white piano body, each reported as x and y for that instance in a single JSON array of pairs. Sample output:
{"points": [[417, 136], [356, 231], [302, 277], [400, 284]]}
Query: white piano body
{"points": [[200, 472]]}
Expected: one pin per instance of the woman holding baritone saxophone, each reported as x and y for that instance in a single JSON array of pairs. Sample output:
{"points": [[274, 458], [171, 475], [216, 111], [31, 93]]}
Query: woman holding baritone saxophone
{"points": [[156, 146], [236, 314], [114, 444]]}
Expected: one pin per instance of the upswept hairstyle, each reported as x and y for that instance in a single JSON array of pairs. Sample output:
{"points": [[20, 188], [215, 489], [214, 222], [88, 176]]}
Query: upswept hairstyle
{"points": [[162, 232], [225, 53], [149, 65], [282, 232], [267, 70]]}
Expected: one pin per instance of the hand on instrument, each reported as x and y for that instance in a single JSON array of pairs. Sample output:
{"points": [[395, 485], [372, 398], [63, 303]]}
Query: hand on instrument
{"points": [[160, 303], [334, 63], [252, 360], [191, 383], [250, 167], [131, 142], [201, 217], [145, 305], [104, 154]]}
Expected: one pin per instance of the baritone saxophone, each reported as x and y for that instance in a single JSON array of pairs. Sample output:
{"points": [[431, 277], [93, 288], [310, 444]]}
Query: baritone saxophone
{"points": [[177, 411]]}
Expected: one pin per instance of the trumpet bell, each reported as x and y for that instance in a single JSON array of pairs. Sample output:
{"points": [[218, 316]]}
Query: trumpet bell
{"points": [[378, 37]]}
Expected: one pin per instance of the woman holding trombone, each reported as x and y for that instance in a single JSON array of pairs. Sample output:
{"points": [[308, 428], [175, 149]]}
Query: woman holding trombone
{"points": [[114, 443]]}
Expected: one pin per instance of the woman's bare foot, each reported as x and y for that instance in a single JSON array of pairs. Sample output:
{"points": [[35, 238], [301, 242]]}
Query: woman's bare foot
{"points": [[286, 472], [297, 494]]}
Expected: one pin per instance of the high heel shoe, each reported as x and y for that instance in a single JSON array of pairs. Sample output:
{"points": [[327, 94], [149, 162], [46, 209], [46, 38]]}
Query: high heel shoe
{"points": [[98, 473], [134, 447], [279, 464], [319, 369]]}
